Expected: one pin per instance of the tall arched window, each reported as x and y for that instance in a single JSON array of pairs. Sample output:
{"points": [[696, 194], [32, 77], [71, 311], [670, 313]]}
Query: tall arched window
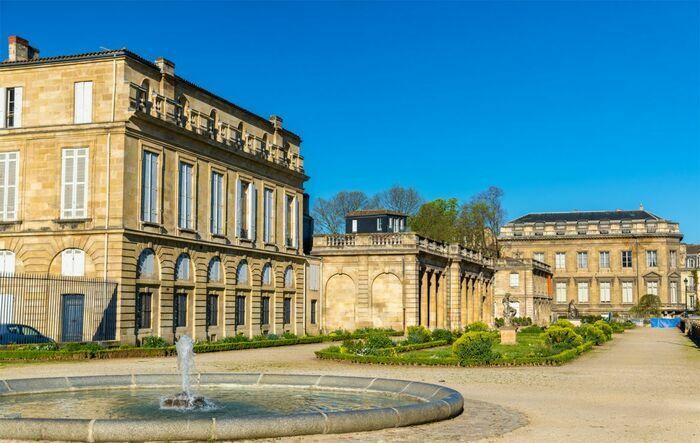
{"points": [[214, 272], [182, 267], [267, 274], [73, 263], [289, 278], [7, 262], [146, 266], [242, 273]]}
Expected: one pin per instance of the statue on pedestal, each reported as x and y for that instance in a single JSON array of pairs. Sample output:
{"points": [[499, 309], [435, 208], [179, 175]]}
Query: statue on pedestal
{"points": [[572, 311], [508, 311]]}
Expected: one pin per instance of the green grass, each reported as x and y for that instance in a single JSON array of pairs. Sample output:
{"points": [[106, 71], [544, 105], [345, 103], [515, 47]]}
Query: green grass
{"points": [[529, 345]]}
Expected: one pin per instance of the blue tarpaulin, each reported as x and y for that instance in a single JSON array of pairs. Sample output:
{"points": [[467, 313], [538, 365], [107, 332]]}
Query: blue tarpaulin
{"points": [[665, 322]]}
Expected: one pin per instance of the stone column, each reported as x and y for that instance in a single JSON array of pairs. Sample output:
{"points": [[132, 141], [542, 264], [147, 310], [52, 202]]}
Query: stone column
{"points": [[423, 288], [434, 289], [463, 294]]}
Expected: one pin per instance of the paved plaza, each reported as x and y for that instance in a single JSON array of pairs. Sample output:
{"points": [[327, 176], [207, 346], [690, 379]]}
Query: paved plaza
{"points": [[642, 386]]}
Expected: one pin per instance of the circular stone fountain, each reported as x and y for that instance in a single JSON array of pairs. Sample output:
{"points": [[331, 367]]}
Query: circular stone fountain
{"points": [[111, 408]]}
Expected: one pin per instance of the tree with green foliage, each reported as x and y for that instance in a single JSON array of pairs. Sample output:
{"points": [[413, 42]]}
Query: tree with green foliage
{"points": [[649, 306], [437, 220]]}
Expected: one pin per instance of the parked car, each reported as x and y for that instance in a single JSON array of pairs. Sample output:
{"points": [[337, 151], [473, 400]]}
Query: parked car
{"points": [[11, 333]]}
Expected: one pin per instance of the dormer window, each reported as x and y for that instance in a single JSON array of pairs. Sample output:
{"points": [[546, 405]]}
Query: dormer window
{"points": [[626, 227], [651, 227], [582, 228], [518, 230], [560, 228], [539, 228], [604, 227]]}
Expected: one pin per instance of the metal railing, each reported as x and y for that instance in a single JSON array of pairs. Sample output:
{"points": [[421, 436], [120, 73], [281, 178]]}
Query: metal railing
{"points": [[64, 309]]}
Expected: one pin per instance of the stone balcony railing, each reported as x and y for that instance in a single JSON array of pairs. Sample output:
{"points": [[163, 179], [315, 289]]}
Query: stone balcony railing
{"points": [[395, 241], [162, 108], [575, 229]]}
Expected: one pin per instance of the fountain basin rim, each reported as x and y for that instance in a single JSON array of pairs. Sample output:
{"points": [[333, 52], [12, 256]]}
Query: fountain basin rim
{"points": [[438, 403]]}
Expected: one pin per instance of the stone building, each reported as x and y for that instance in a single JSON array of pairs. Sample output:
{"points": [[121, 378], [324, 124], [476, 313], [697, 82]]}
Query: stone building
{"points": [[689, 274], [115, 167], [397, 280], [529, 282], [602, 260], [374, 221]]}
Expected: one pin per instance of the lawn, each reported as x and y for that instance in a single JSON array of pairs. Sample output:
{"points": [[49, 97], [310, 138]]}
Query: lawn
{"points": [[529, 345]]}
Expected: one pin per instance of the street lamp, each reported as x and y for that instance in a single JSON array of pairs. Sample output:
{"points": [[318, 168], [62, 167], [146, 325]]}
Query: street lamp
{"points": [[686, 296]]}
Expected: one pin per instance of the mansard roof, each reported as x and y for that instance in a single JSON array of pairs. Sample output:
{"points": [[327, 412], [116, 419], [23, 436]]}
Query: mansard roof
{"points": [[577, 216]]}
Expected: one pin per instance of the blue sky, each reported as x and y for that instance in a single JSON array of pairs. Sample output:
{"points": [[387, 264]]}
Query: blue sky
{"points": [[565, 105]]}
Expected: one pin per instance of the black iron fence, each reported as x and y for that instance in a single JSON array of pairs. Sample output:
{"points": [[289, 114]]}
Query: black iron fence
{"points": [[64, 309]]}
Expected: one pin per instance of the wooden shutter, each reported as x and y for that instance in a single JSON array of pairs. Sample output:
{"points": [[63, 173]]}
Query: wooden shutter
{"points": [[82, 112], [296, 222], [7, 262], [67, 194], [80, 209], [239, 207], [18, 108], [253, 209], [145, 186], [154, 188], [9, 209]]}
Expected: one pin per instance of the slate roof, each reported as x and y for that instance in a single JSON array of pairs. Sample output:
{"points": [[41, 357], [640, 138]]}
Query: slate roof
{"points": [[369, 212], [126, 53], [576, 216]]}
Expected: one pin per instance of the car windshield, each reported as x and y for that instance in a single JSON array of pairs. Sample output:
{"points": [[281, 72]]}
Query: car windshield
{"points": [[26, 330]]}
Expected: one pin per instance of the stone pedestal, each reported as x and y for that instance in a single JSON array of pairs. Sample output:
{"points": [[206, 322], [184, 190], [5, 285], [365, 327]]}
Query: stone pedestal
{"points": [[508, 335]]}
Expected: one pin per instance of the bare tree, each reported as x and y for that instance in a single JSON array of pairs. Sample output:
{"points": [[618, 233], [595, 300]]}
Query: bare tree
{"points": [[329, 215], [397, 198]]}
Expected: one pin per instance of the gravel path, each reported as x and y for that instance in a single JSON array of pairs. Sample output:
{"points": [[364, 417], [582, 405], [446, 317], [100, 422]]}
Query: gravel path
{"points": [[642, 386]]}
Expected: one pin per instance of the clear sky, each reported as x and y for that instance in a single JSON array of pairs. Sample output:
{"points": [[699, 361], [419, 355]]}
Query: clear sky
{"points": [[565, 105]]}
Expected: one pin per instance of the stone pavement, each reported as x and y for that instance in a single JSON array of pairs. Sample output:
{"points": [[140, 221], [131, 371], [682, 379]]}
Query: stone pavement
{"points": [[642, 386]]}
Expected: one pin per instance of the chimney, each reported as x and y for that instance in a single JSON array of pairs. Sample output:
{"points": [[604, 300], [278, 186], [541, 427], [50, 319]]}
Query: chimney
{"points": [[167, 77], [19, 50], [276, 121]]}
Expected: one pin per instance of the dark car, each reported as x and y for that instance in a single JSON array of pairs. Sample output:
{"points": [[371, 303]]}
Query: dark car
{"points": [[11, 333]]}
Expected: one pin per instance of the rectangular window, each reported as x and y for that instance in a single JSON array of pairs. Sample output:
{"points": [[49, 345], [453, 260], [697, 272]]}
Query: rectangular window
{"points": [[180, 311], [651, 259], [674, 291], [265, 311], [538, 256], [143, 315], [313, 312], [626, 259], [287, 311], [604, 259], [582, 292], [314, 277], [82, 105], [672, 259], [268, 214], [74, 183], [582, 260], [290, 221], [561, 292], [149, 187], [247, 208], [626, 292], [605, 292], [379, 224], [560, 260], [217, 203], [212, 317], [9, 162], [240, 310], [653, 287], [354, 226], [514, 279], [11, 107], [185, 198]]}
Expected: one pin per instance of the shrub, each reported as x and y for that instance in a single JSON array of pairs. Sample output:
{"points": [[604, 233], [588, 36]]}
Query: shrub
{"points": [[522, 321], [563, 323], [617, 327], [591, 333], [273, 337], [590, 318], [605, 327], [562, 337], [531, 330], [80, 347], [476, 346], [417, 334], [153, 342], [238, 338], [477, 326], [374, 344], [350, 346], [499, 322], [288, 336], [260, 338], [442, 334]]}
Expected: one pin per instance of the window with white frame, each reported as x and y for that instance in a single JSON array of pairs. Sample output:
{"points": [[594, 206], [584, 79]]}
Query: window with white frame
{"points": [[217, 203], [268, 215], [73, 263], [11, 107], [672, 259], [74, 183], [289, 278], [690, 262], [561, 292], [582, 292], [9, 167], [514, 279], [560, 260], [242, 273], [626, 292], [267, 274], [314, 277], [604, 259], [673, 289], [185, 197], [183, 267], [538, 256], [379, 224], [246, 210], [653, 287], [582, 260], [214, 270], [605, 292], [290, 220], [149, 187], [146, 265], [626, 259], [82, 105], [652, 261], [7, 262], [354, 226]]}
